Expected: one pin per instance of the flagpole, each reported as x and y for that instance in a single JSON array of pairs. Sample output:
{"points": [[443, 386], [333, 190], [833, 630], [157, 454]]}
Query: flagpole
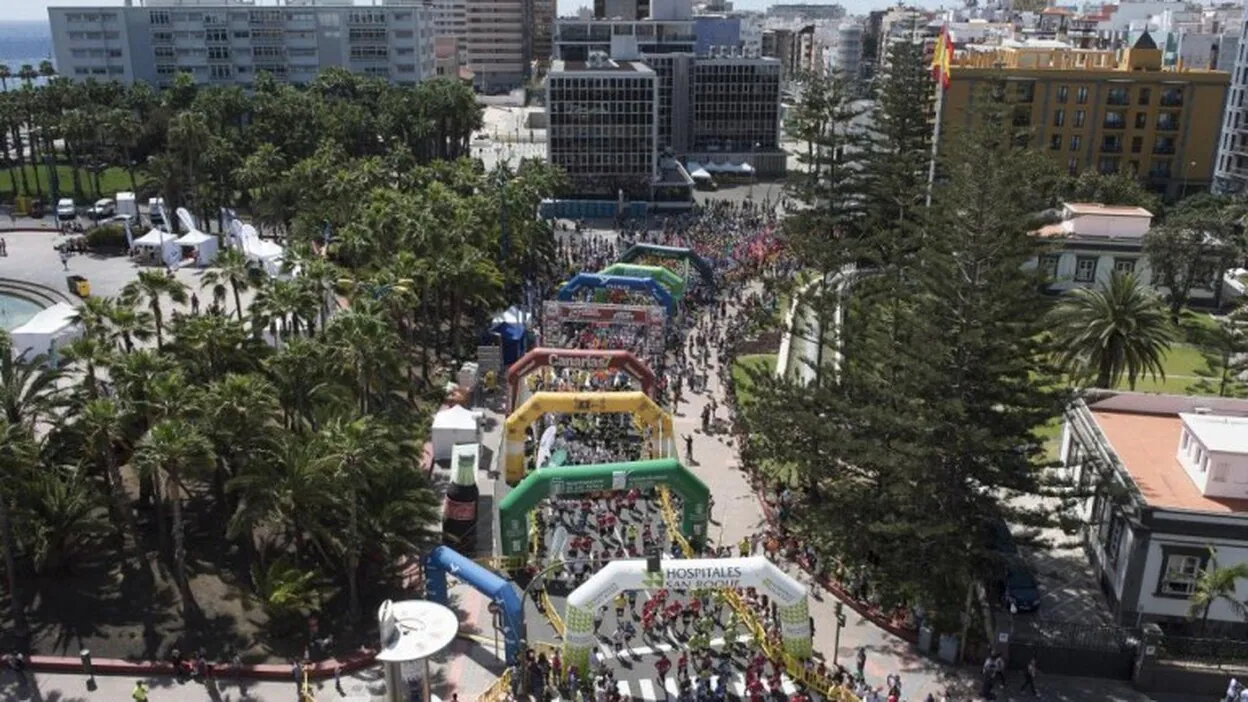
{"points": [[931, 166]]}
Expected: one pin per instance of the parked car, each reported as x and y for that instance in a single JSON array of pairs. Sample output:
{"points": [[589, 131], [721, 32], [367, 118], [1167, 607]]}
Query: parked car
{"points": [[104, 207], [65, 209], [37, 209], [1018, 588]]}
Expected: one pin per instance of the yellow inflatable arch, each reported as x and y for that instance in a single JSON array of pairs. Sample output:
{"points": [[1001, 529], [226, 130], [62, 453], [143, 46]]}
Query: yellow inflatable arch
{"points": [[662, 442]]}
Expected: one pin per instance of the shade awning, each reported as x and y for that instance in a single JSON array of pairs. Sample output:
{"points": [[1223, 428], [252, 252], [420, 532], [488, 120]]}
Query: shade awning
{"points": [[155, 238], [194, 238]]}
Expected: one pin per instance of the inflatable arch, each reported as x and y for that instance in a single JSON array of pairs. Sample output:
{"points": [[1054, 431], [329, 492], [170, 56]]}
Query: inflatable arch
{"points": [[581, 359], [595, 281], [624, 575], [443, 559], [648, 414], [637, 251], [575, 480], [665, 277]]}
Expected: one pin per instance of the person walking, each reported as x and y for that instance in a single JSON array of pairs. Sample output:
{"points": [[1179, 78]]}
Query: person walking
{"points": [[862, 662], [65, 259], [688, 440], [139, 694], [1029, 678]]}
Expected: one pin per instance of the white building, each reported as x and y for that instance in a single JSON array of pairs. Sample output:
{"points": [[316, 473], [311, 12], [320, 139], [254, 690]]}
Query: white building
{"points": [[230, 42], [498, 43], [1092, 241], [1230, 170], [1169, 481]]}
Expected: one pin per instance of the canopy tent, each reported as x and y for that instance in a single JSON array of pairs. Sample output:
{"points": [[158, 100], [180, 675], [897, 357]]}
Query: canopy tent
{"points": [[637, 251], [46, 332], [453, 425], [266, 254], [697, 172], [162, 247], [597, 281], [674, 283], [512, 326], [203, 245]]}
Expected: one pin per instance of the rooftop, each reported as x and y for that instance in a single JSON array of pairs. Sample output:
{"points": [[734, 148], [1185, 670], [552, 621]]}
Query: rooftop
{"points": [[1143, 430], [1095, 208], [1219, 433], [610, 65]]}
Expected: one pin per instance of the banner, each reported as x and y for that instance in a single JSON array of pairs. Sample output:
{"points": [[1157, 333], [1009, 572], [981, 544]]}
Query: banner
{"points": [[596, 325]]}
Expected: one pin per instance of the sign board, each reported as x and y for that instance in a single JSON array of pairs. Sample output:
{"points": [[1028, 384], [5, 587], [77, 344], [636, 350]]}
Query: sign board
{"points": [[489, 358], [561, 322]]}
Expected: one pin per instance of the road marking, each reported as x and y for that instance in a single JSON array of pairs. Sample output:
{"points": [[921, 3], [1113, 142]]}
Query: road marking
{"points": [[640, 652], [646, 689], [625, 692]]}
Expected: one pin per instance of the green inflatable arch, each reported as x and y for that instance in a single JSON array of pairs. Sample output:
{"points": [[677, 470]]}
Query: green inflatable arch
{"points": [[663, 276], [514, 509], [636, 251]]}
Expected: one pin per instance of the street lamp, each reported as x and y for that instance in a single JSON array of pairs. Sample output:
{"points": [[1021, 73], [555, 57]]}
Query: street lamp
{"points": [[753, 167]]}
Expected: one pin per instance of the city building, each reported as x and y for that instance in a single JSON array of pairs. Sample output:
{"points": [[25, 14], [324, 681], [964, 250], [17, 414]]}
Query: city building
{"points": [[229, 43], [1168, 479], [847, 59], [1092, 242], [1231, 174], [721, 106], [498, 43], [603, 125], [542, 31], [1112, 111], [803, 12]]}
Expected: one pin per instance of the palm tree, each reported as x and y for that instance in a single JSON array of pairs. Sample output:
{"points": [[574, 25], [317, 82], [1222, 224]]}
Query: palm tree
{"points": [[175, 450], [28, 389], [354, 451], [232, 268], [363, 345], [102, 430], [240, 413], [46, 69], [129, 324], [189, 136], [1113, 329], [62, 505], [164, 174], [126, 129], [1216, 583], [151, 286], [27, 73], [18, 455], [94, 353], [5, 74]]}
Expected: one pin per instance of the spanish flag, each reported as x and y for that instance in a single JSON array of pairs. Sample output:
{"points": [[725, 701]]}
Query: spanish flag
{"points": [[942, 59]]}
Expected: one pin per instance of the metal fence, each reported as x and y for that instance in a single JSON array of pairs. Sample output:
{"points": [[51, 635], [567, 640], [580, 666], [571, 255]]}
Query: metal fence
{"points": [[1071, 648], [1218, 651]]}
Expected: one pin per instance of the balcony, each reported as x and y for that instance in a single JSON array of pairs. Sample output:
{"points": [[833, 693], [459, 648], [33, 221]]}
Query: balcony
{"points": [[1114, 124], [1111, 148], [1172, 100], [1164, 149], [1118, 99], [1167, 125]]}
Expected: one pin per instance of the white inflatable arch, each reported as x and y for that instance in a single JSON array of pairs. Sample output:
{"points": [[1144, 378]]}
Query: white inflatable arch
{"points": [[685, 574]]}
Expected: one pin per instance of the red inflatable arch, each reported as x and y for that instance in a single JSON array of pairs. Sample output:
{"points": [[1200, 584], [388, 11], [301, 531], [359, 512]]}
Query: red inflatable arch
{"points": [[582, 359]]}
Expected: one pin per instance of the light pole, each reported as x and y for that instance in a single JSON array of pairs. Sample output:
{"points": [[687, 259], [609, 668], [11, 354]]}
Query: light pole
{"points": [[753, 167]]}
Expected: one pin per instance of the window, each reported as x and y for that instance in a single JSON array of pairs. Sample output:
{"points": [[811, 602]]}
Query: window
{"points": [[1115, 120], [1072, 166], [1048, 265], [1085, 269], [1081, 96], [219, 53], [218, 71], [1059, 117], [1111, 144], [1124, 266], [158, 17], [1025, 91], [1172, 97], [1063, 91], [1168, 122], [1137, 143], [1080, 115], [369, 53], [402, 34], [1055, 142], [1107, 165], [1146, 95], [242, 34], [165, 52], [1113, 539], [1075, 142], [1180, 573], [1118, 96]]}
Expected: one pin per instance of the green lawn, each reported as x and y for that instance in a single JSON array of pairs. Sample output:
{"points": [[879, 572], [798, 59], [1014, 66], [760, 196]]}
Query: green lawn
{"points": [[741, 373], [1180, 366], [112, 180]]}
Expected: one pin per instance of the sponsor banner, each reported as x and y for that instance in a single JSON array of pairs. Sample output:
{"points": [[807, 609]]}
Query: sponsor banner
{"points": [[555, 311]]}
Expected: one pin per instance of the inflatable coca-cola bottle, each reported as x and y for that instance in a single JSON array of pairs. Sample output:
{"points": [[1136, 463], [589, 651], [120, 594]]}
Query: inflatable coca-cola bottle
{"points": [[459, 512]]}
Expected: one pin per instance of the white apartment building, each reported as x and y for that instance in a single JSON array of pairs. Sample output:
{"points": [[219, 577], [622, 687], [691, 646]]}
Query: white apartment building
{"points": [[498, 38], [229, 42], [1230, 170]]}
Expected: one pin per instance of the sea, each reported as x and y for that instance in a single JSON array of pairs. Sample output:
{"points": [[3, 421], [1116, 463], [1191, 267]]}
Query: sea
{"points": [[24, 42]]}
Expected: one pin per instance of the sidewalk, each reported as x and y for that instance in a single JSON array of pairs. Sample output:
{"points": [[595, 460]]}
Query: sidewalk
{"points": [[737, 513]]}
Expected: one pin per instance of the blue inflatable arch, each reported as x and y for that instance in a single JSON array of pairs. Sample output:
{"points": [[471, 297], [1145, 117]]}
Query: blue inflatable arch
{"points": [[443, 560], [597, 281]]}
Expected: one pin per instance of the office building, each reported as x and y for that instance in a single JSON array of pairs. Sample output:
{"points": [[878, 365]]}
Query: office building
{"points": [[542, 31], [721, 106], [1231, 169], [603, 117], [499, 43], [1106, 110], [229, 43], [847, 59]]}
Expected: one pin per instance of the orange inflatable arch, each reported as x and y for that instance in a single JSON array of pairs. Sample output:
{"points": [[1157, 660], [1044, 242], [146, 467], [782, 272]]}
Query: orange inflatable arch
{"points": [[580, 359]]}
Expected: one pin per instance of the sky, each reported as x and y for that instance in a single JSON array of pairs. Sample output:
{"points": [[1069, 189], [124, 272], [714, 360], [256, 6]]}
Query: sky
{"points": [[38, 9]]}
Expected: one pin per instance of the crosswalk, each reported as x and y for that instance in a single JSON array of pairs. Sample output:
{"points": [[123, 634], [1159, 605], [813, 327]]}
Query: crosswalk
{"points": [[650, 689], [605, 651]]}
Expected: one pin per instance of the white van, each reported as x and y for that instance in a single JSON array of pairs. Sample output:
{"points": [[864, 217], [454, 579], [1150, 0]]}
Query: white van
{"points": [[65, 210], [156, 211]]}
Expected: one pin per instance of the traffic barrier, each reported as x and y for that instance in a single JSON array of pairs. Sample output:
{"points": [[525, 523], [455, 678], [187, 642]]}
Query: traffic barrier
{"points": [[552, 614], [499, 691]]}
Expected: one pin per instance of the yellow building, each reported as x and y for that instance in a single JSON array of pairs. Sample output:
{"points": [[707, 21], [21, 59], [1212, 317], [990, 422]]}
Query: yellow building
{"points": [[1106, 110]]}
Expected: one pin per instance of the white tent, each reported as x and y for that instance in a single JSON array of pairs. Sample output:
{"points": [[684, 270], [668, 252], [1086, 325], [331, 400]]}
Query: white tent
{"points": [[453, 425], [512, 315], [696, 171], [47, 332], [265, 253], [205, 246], [160, 247]]}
